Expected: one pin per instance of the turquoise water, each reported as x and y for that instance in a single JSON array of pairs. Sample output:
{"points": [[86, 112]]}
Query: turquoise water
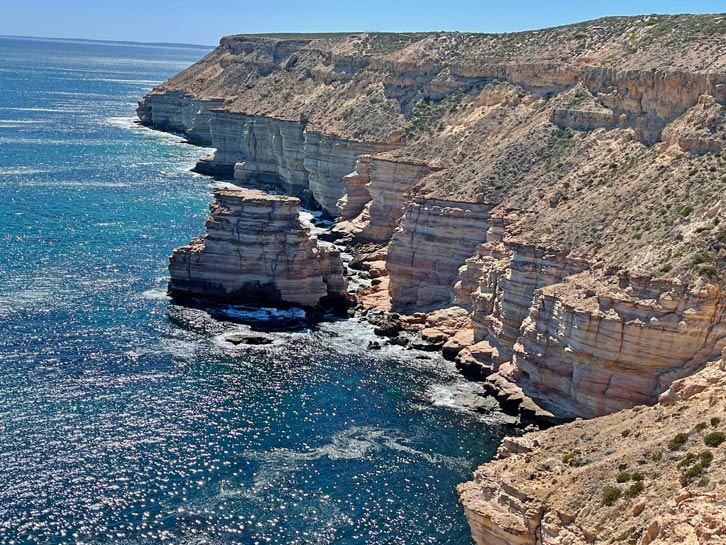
{"points": [[127, 419]]}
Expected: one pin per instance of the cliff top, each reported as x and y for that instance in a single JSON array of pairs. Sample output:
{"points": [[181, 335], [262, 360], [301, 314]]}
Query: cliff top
{"points": [[608, 135], [608, 41], [645, 475], [255, 195]]}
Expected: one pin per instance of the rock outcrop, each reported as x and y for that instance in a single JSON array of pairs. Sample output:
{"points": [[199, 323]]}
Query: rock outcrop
{"points": [[545, 207], [425, 253], [583, 341], [647, 475], [256, 250], [376, 195]]}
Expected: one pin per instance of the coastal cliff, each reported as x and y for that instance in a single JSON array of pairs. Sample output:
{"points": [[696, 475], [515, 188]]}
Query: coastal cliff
{"points": [[647, 475], [544, 206], [256, 250]]}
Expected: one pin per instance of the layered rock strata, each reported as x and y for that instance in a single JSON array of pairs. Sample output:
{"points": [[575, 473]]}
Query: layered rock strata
{"points": [[594, 277], [584, 341], [376, 195], [269, 152], [646, 475], [256, 250], [607, 345], [425, 253]]}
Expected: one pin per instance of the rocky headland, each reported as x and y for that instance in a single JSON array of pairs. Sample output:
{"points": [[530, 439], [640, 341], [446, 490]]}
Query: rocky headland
{"points": [[546, 207]]}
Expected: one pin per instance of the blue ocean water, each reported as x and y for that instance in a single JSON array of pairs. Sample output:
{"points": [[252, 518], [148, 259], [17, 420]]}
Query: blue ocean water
{"points": [[127, 419]]}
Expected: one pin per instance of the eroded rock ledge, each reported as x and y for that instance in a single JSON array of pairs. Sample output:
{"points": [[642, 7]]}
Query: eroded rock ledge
{"points": [[551, 487], [256, 250], [545, 207]]}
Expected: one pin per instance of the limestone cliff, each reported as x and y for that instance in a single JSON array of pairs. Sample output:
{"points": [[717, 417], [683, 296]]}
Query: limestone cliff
{"points": [[572, 174], [559, 192], [256, 250], [647, 475]]}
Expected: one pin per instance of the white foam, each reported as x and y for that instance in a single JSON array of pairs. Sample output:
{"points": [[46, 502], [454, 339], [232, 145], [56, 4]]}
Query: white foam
{"points": [[354, 443], [264, 314], [155, 293], [16, 171]]}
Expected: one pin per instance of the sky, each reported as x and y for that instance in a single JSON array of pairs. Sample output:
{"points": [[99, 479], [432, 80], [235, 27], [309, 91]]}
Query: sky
{"points": [[204, 22]]}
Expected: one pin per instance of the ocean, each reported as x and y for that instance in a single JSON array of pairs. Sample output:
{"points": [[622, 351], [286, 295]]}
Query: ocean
{"points": [[125, 418]]}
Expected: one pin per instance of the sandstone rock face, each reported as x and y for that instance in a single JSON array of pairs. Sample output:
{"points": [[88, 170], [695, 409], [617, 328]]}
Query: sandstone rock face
{"points": [[259, 149], [642, 100], [607, 347], [700, 129], [548, 487], [427, 250], [510, 275], [255, 250], [589, 343], [382, 184], [328, 159]]}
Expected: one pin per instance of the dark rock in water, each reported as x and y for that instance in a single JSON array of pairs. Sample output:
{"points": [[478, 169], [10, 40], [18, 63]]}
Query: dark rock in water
{"points": [[359, 263], [374, 345], [384, 325], [424, 346], [387, 330], [334, 236], [253, 340], [399, 341], [474, 370]]}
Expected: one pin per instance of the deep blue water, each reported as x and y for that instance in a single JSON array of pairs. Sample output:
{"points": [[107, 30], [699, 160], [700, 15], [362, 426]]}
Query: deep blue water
{"points": [[126, 419]]}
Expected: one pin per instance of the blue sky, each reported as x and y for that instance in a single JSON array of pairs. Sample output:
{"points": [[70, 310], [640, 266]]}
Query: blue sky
{"points": [[203, 22]]}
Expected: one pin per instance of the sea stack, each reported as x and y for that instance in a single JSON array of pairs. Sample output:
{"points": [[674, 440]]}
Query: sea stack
{"points": [[256, 251]]}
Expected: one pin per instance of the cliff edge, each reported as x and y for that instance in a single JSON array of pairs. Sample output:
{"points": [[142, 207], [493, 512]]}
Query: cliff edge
{"points": [[545, 206], [647, 475]]}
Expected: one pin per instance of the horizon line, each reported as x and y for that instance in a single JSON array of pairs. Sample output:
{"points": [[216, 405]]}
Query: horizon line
{"points": [[116, 42]]}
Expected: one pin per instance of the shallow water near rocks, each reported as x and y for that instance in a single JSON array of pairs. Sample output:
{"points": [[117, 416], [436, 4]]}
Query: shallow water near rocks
{"points": [[127, 419]]}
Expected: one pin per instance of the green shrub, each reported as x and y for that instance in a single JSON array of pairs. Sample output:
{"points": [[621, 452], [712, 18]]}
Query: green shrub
{"points": [[623, 477], [678, 441], [611, 495], [685, 210], [701, 426], [694, 471], [715, 421], [698, 259], [637, 476], [706, 457], [687, 460], [635, 489], [714, 439], [625, 433], [656, 456]]}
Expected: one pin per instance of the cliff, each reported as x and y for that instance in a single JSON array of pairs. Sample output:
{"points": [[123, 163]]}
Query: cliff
{"points": [[546, 206], [256, 250], [647, 475]]}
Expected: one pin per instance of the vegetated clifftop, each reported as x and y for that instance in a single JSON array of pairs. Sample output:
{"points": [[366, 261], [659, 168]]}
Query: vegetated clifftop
{"points": [[560, 191], [647, 475]]}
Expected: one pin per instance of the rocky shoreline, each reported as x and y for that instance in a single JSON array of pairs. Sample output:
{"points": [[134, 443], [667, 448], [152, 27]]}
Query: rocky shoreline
{"points": [[543, 212]]}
